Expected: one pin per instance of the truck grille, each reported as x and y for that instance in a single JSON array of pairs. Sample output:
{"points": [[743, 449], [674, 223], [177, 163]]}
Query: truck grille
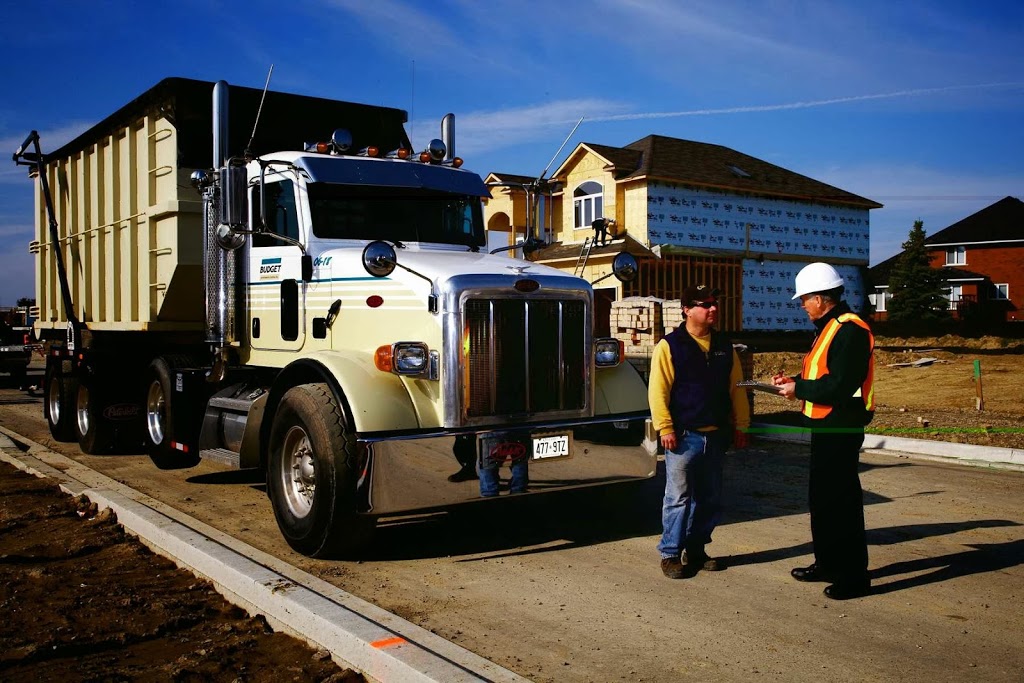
{"points": [[525, 357]]}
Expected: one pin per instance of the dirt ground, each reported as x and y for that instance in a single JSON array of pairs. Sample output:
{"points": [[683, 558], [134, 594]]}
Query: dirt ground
{"points": [[117, 612], [932, 401]]}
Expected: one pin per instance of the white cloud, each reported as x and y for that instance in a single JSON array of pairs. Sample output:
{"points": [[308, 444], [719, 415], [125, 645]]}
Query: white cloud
{"points": [[486, 131], [49, 140], [915, 92]]}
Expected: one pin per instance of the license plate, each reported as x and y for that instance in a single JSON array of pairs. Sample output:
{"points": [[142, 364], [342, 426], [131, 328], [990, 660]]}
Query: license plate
{"points": [[551, 446]]}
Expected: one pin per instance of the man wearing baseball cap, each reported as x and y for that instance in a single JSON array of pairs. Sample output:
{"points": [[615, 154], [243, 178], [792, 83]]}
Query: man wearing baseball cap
{"points": [[696, 408]]}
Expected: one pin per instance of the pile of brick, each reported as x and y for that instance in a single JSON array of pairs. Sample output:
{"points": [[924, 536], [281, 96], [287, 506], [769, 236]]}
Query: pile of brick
{"points": [[640, 322], [636, 321], [672, 315]]}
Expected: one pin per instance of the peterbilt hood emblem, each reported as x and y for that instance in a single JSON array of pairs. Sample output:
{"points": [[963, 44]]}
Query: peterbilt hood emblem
{"points": [[518, 270]]}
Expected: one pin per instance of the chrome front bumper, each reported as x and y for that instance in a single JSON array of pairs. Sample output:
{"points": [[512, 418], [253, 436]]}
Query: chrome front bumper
{"points": [[410, 472]]}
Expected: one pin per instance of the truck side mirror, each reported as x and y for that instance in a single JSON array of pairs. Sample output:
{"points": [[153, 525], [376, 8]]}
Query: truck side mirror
{"points": [[379, 258], [625, 266]]}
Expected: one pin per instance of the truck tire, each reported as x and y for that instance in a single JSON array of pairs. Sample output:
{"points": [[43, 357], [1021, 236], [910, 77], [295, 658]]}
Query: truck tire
{"points": [[59, 392], [93, 431], [312, 471], [159, 434]]}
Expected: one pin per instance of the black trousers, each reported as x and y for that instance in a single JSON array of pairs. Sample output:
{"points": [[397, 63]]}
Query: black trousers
{"points": [[837, 505]]}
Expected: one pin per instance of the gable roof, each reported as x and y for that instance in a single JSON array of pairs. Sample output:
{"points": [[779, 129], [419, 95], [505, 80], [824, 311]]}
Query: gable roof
{"points": [[878, 275], [707, 165], [998, 222], [508, 178]]}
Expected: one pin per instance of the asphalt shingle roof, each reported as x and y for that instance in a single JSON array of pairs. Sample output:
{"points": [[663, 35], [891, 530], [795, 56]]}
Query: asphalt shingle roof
{"points": [[1003, 220], [708, 165]]}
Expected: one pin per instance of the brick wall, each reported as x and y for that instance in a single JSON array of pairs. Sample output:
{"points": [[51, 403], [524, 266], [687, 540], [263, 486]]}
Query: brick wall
{"points": [[1003, 264]]}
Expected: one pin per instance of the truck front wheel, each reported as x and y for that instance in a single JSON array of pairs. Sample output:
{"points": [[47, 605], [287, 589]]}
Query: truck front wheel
{"points": [[59, 402], [313, 466]]}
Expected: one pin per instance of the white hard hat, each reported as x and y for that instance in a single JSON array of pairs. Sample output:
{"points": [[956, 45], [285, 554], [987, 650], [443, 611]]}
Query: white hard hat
{"points": [[816, 277]]}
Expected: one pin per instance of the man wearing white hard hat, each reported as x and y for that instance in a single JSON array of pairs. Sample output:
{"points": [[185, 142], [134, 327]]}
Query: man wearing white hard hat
{"points": [[835, 386]]}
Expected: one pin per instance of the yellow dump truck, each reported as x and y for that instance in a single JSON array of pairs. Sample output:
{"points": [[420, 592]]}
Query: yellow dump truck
{"points": [[281, 282]]}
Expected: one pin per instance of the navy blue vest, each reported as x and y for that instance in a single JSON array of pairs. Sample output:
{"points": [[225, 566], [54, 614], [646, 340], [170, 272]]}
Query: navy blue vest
{"points": [[701, 393]]}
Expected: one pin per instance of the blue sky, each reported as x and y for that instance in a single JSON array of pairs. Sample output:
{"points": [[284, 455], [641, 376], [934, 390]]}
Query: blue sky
{"points": [[917, 105]]}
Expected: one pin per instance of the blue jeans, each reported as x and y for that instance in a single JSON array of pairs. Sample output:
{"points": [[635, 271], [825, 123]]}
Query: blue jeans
{"points": [[693, 492], [489, 477]]}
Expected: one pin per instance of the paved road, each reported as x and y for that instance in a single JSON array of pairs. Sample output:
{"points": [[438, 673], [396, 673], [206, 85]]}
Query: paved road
{"points": [[567, 588]]}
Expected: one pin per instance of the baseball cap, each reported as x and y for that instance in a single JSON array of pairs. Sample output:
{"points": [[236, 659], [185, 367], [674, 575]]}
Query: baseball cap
{"points": [[698, 293]]}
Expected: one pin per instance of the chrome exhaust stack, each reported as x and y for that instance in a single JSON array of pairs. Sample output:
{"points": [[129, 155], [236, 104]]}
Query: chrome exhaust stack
{"points": [[224, 212], [448, 137]]}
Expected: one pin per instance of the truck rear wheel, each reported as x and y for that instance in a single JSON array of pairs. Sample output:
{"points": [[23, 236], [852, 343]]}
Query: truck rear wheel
{"points": [[160, 435], [92, 430], [313, 466], [58, 404]]}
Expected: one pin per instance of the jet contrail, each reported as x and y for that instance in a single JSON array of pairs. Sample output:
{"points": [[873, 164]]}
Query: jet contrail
{"points": [[802, 105]]}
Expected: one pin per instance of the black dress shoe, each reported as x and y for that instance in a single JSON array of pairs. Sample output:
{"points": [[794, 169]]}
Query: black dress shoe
{"points": [[464, 474], [848, 590], [811, 573]]}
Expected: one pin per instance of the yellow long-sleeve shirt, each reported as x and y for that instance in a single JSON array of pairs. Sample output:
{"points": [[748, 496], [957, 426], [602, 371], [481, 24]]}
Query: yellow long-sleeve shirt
{"points": [[663, 374]]}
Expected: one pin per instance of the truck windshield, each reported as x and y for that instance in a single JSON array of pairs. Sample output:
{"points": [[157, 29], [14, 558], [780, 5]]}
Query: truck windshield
{"points": [[389, 213]]}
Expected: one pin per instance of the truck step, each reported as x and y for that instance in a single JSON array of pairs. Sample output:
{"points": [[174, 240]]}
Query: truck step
{"points": [[240, 405], [221, 455]]}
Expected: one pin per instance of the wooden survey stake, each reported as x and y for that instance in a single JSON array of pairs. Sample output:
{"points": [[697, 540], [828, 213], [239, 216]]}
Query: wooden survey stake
{"points": [[979, 400]]}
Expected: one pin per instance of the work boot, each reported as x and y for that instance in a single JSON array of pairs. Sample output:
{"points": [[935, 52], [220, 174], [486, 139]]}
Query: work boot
{"points": [[698, 559], [672, 568]]}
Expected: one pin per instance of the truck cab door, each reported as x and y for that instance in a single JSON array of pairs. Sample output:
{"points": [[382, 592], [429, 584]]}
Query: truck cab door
{"points": [[276, 292]]}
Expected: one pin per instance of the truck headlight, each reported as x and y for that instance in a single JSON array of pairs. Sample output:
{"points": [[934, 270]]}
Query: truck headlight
{"points": [[403, 358], [608, 352]]}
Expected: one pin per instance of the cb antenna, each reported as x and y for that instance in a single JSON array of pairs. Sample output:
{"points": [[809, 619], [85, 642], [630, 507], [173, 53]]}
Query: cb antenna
{"points": [[248, 147], [546, 168]]}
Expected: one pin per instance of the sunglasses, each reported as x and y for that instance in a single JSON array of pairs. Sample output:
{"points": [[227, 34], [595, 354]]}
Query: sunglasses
{"points": [[703, 304]]}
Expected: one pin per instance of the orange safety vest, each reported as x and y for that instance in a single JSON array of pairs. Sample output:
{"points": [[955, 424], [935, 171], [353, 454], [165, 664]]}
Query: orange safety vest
{"points": [[816, 364]]}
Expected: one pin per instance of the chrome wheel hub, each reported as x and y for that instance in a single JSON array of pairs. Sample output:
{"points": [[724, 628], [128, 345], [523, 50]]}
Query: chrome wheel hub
{"points": [[298, 472]]}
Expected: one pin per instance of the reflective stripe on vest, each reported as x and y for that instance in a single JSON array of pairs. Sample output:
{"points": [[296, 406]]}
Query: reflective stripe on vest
{"points": [[816, 364]]}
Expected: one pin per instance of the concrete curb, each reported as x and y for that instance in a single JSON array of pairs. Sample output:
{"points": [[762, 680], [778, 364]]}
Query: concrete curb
{"points": [[962, 453], [379, 644]]}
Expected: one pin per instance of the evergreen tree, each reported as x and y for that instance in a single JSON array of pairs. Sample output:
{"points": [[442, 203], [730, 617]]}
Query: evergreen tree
{"points": [[919, 292]]}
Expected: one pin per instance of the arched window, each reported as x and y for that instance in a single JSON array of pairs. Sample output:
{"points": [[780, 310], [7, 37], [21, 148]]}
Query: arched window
{"points": [[588, 203]]}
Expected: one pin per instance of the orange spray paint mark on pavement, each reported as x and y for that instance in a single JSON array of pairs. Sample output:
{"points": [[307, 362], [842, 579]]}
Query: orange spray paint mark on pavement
{"points": [[388, 642]]}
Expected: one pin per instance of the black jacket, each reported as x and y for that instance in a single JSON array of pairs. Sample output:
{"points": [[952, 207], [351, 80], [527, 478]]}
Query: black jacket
{"points": [[847, 361]]}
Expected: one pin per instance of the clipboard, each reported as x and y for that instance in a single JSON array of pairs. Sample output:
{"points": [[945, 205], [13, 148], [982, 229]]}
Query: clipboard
{"points": [[759, 386]]}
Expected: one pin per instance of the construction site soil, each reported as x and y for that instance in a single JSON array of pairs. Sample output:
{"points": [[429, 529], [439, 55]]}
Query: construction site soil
{"points": [[928, 399], [81, 601]]}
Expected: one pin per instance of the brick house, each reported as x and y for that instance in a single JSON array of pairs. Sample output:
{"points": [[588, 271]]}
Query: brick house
{"points": [[691, 212], [983, 260]]}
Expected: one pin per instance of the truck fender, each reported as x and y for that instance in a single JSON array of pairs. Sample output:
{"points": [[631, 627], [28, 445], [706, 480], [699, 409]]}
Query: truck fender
{"points": [[373, 400], [619, 389]]}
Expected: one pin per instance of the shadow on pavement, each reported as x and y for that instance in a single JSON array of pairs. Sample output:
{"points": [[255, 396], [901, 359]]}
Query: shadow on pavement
{"points": [[885, 536], [985, 557]]}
